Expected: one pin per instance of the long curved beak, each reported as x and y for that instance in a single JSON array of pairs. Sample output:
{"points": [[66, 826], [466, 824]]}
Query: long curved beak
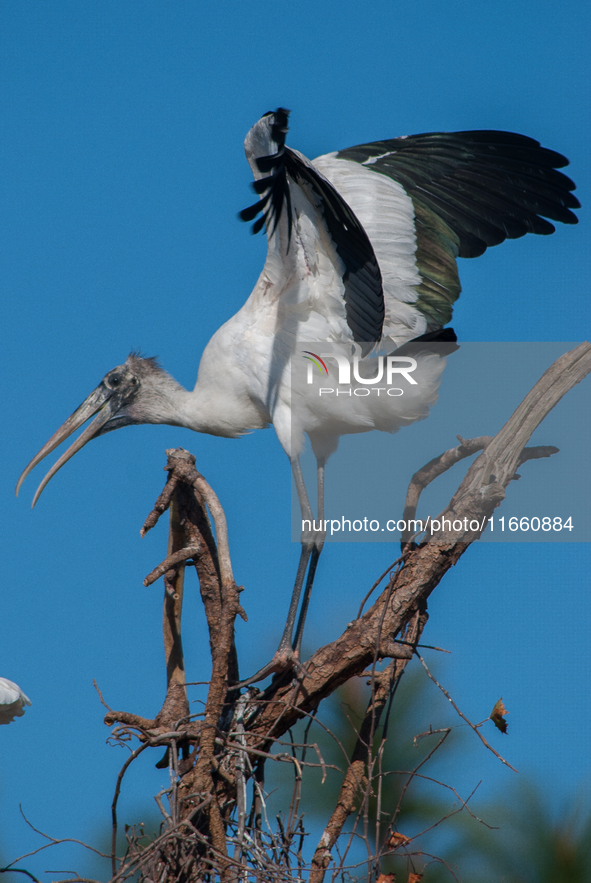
{"points": [[103, 400]]}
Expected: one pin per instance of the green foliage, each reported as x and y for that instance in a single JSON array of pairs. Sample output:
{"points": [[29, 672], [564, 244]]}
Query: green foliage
{"points": [[532, 844]]}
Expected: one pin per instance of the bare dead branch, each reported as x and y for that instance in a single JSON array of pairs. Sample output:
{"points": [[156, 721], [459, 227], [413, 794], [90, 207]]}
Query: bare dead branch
{"points": [[162, 503], [95, 685], [356, 778], [53, 841], [176, 558], [432, 470], [143, 724], [76, 879], [220, 597], [501, 457], [286, 758], [221, 527], [436, 467], [480, 492]]}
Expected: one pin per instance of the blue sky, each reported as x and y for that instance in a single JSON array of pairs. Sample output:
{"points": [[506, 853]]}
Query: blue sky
{"points": [[123, 173]]}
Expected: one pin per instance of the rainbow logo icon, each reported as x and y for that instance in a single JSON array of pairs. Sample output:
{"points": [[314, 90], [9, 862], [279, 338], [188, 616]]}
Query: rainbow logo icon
{"points": [[316, 360]]}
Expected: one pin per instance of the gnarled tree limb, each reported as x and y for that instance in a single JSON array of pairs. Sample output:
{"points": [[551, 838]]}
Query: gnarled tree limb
{"points": [[482, 489]]}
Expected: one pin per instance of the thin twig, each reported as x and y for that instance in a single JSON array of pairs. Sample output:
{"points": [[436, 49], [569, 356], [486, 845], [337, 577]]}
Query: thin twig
{"points": [[376, 584], [463, 716], [53, 841], [172, 561], [101, 695], [122, 772], [10, 870], [157, 798]]}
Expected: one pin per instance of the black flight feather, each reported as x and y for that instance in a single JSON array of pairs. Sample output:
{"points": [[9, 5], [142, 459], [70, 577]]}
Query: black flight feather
{"points": [[364, 297], [488, 186]]}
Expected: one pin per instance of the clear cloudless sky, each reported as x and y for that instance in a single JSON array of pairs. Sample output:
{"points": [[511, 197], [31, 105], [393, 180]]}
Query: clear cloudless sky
{"points": [[122, 175]]}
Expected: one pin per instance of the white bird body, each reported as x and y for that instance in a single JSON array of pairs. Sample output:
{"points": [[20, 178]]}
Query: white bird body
{"points": [[249, 395], [12, 701], [362, 248], [298, 298]]}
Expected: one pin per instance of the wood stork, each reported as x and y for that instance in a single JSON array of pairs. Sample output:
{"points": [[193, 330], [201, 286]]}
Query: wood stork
{"points": [[362, 248], [12, 701]]}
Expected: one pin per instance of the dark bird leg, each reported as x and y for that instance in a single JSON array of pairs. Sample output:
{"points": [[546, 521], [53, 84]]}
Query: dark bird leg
{"points": [[315, 555], [287, 655]]}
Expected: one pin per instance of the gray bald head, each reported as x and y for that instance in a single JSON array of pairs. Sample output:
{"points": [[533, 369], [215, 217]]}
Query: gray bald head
{"points": [[138, 391]]}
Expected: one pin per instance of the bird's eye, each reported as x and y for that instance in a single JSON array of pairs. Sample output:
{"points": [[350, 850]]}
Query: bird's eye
{"points": [[114, 380]]}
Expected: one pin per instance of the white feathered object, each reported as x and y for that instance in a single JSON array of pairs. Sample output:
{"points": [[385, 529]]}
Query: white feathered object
{"points": [[362, 248], [12, 701]]}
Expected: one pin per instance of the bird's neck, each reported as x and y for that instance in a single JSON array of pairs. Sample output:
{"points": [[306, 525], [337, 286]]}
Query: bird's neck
{"points": [[212, 407]]}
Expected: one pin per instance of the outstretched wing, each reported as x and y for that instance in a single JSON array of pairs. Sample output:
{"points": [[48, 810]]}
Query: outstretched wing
{"points": [[283, 178], [469, 190]]}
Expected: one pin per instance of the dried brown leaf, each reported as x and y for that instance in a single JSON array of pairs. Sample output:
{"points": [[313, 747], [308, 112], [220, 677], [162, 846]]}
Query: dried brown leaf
{"points": [[397, 839], [497, 718]]}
